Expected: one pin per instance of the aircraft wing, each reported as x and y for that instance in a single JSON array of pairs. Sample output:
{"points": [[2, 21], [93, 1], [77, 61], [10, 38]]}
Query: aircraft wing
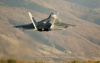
{"points": [[60, 25], [32, 25], [26, 26]]}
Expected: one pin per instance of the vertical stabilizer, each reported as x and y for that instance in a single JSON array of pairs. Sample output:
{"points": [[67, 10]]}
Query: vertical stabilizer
{"points": [[33, 20], [55, 17]]}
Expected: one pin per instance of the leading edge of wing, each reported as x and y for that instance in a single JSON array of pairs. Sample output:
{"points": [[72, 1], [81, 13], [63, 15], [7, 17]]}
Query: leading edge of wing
{"points": [[26, 26]]}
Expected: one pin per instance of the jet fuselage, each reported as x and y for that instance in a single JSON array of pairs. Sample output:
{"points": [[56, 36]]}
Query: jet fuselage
{"points": [[44, 27]]}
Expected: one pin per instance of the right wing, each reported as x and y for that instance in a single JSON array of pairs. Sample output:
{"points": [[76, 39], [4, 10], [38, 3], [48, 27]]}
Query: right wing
{"points": [[33, 21], [60, 25]]}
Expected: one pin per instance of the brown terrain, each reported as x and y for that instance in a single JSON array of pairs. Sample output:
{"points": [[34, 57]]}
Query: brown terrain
{"points": [[80, 42]]}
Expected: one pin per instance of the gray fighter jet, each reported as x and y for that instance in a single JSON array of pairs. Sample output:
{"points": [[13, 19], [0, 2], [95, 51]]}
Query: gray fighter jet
{"points": [[48, 24]]}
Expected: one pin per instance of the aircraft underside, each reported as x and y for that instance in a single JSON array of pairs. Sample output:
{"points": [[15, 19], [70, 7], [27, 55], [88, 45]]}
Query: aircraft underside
{"points": [[44, 29]]}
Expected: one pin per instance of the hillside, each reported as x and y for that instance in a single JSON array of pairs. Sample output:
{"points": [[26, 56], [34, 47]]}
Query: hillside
{"points": [[88, 3], [89, 14], [81, 42]]}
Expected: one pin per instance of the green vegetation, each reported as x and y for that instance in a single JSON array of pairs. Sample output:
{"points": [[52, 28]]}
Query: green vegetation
{"points": [[41, 61], [11, 61], [77, 61], [17, 61]]}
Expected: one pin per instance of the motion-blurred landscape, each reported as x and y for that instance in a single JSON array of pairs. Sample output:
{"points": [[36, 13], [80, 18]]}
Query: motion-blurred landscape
{"points": [[81, 42]]}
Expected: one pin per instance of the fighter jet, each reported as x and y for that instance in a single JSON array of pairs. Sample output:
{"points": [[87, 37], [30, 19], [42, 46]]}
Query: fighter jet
{"points": [[48, 24]]}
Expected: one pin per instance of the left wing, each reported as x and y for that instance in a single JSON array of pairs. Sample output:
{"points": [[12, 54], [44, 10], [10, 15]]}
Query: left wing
{"points": [[25, 26]]}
